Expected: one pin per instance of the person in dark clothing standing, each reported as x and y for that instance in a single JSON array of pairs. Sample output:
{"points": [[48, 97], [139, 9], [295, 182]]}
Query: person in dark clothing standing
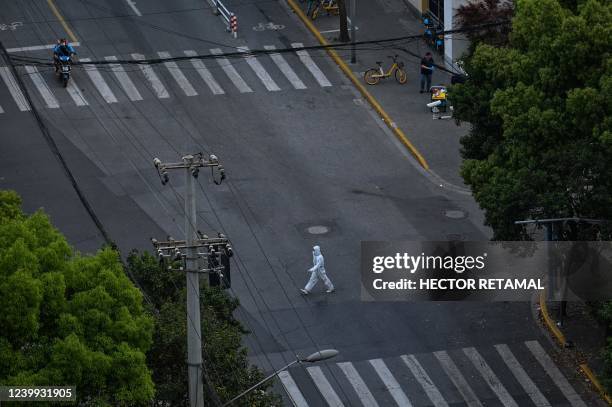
{"points": [[427, 67]]}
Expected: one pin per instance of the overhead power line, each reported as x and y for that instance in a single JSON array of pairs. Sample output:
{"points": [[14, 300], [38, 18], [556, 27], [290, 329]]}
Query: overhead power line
{"points": [[256, 52]]}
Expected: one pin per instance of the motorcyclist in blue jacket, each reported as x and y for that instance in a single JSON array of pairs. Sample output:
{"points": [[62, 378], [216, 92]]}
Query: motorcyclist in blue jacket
{"points": [[62, 48]]}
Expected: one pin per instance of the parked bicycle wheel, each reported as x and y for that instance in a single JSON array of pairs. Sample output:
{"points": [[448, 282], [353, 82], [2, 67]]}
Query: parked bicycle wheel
{"points": [[371, 76], [400, 76]]}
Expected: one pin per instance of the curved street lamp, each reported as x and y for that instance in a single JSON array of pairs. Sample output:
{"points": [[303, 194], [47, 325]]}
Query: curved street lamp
{"points": [[315, 357]]}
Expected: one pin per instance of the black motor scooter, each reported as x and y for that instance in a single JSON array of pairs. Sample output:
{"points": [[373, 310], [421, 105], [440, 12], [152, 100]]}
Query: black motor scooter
{"points": [[64, 68]]}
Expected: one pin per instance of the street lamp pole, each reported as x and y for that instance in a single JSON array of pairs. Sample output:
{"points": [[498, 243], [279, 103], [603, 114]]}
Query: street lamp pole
{"points": [[315, 357]]}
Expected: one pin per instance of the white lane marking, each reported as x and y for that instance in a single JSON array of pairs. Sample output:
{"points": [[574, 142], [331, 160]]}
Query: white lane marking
{"points": [[310, 64], [335, 31], [555, 374], [215, 88], [487, 373], [366, 398], [324, 387], [390, 383], [521, 376], [14, 89], [1, 109], [260, 71], [285, 68], [38, 47], [457, 378], [231, 72], [124, 80], [132, 4], [151, 76], [178, 75], [292, 389], [99, 81], [350, 23], [424, 380], [42, 87], [76, 94]]}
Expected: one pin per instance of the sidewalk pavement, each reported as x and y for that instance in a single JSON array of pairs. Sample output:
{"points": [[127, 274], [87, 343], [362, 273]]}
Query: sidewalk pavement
{"points": [[436, 140], [582, 337]]}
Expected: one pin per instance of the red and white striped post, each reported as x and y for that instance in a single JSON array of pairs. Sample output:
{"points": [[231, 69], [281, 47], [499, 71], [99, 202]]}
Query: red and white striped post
{"points": [[234, 25]]}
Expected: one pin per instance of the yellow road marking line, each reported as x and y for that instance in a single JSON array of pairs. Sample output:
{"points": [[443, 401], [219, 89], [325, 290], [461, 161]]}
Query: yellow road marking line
{"points": [[347, 71], [552, 327], [55, 11], [591, 376]]}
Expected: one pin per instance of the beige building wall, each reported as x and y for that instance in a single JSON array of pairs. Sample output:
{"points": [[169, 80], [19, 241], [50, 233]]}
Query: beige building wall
{"points": [[418, 6], [454, 44]]}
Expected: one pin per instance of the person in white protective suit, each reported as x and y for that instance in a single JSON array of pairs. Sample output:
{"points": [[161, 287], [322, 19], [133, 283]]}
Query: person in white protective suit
{"points": [[317, 272]]}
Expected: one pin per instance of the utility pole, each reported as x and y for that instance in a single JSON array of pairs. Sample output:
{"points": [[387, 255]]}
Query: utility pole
{"points": [[187, 253], [353, 33]]}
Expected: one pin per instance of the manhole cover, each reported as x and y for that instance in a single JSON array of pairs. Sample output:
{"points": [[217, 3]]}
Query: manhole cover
{"points": [[455, 214], [317, 230]]}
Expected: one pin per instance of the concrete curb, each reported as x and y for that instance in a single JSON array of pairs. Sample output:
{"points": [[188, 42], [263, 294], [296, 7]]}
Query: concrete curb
{"points": [[556, 332], [586, 370], [347, 71], [550, 324]]}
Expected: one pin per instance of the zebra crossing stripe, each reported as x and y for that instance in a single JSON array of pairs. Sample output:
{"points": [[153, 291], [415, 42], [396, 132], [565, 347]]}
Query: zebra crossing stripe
{"points": [[424, 380], [390, 383], [366, 398], [124, 80], [292, 389], [99, 82], [215, 88], [260, 71], [521, 376], [42, 87], [555, 374], [324, 386], [14, 89], [76, 94], [310, 64], [487, 373], [150, 75], [231, 72], [284, 67], [178, 75], [452, 371]]}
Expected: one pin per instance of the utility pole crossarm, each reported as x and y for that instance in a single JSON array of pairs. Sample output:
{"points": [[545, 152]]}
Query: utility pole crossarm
{"points": [[192, 163]]}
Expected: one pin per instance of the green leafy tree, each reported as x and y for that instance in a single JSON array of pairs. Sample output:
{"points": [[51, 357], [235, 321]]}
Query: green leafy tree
{"points": [[68, 319], [480, 12], [227, 371], [541, 137]]}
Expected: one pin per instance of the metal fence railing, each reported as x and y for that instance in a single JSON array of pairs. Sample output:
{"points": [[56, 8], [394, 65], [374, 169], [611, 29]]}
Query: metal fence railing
{"points": [[231, 21]]}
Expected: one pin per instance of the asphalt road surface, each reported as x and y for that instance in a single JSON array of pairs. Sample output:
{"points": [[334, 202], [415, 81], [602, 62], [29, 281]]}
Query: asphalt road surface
{"points": [[301, 149]]}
